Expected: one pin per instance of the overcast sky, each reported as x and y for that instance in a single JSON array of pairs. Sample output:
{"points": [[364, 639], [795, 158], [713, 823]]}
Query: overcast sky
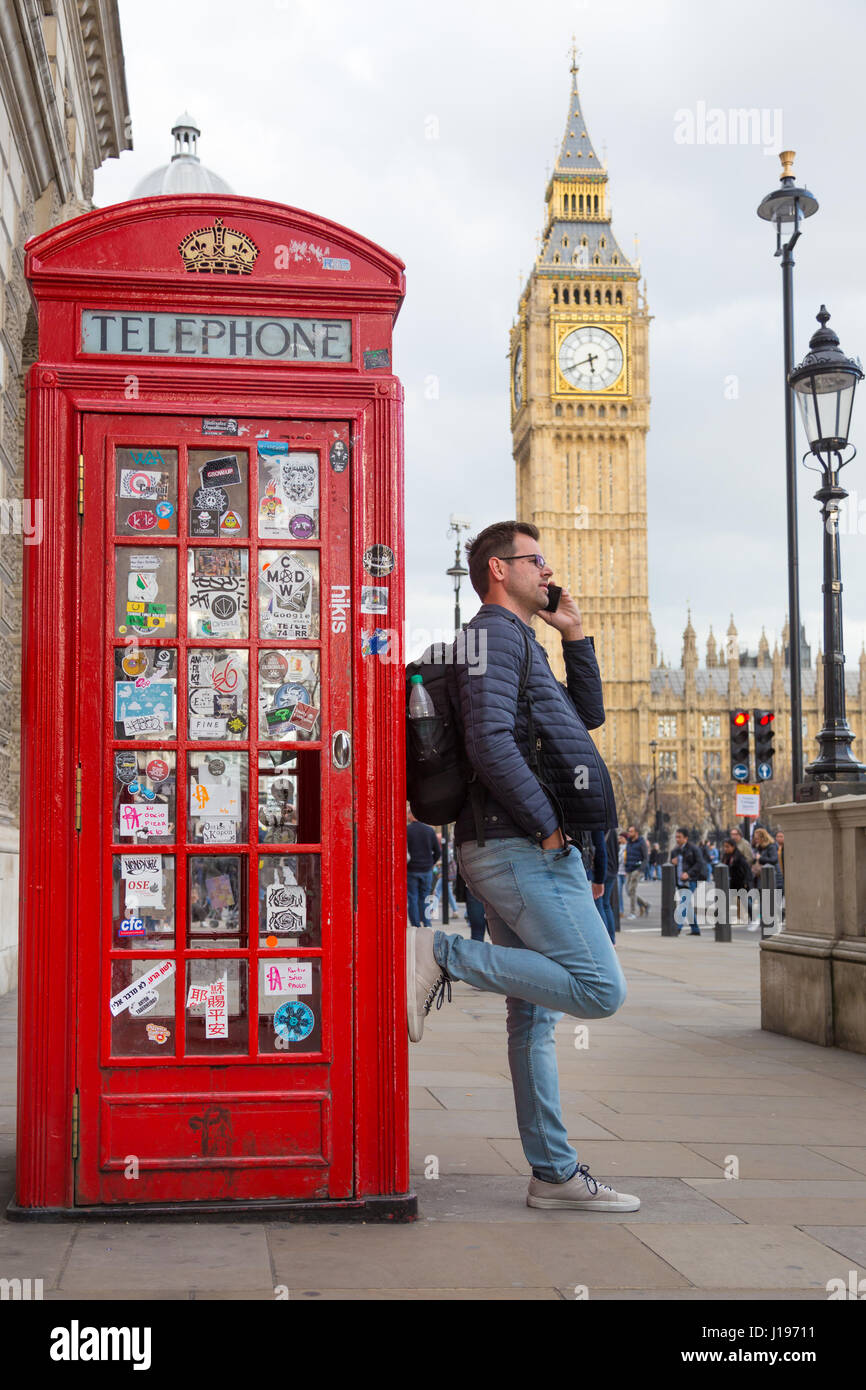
{"points": [[331, 108]]}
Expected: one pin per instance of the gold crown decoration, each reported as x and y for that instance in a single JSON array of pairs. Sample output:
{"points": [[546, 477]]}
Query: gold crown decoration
{"points": [[219, 250]]}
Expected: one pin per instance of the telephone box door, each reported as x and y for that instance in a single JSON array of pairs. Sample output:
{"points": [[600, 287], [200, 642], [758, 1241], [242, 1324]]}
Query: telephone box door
{"points": [[214, 888]]}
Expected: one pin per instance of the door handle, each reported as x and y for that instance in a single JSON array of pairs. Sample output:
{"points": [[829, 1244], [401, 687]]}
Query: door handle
{"points": [[341, 749]]}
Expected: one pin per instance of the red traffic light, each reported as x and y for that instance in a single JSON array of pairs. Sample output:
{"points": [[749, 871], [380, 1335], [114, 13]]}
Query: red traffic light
{"points": [[766, 718], [741, 717]]}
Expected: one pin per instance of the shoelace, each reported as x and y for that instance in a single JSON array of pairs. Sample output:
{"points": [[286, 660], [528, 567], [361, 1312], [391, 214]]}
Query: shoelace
{"points": [[583, 1172], [442, 985]]}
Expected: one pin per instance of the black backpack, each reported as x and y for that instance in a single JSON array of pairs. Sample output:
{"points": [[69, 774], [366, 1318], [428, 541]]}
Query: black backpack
{"points": [[439, 777]]}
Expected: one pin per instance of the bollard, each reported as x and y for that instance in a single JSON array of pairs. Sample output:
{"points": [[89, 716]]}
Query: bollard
{"points": [[722, 883], [767, 882], [669, 898]]}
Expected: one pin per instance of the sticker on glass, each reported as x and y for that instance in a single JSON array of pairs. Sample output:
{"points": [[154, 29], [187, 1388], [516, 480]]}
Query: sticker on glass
{"points": [[218, 602], [375, 643], [143, 483], [158, 1033], [293, 1021], [143, 985], [221, 472], [288, 584], [288, 491], [286, 909], [144, 707], [289, 977], [338, 456], [144, 819], [144, 1004]]}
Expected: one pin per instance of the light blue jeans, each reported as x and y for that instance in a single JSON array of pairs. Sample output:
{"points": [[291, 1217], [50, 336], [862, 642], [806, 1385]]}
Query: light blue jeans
{"points": [[551, 955]]}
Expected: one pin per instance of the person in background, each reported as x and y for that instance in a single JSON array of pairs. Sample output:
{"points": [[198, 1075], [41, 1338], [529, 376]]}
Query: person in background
{"points": [[655, 861], [780, 845], [422, 844], [689, 868], [737, 866], [475, 916], [743, 846], [604, 900], [766, 852], [636, 855], [452, 875], [620, 867]]}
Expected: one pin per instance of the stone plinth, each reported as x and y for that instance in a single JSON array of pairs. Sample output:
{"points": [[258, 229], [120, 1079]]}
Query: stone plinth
{"points": [[813, 973]]}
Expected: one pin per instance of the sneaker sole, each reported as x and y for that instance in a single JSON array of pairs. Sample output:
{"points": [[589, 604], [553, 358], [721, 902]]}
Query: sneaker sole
{"points": [[574, 1204], [414, 1020]]}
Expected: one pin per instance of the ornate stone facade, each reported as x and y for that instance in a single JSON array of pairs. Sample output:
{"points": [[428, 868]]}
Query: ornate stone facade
{"points": [[579, 416], [63, 110]]}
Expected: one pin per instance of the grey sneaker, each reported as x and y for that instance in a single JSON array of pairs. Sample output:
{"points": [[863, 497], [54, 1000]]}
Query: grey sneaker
{"points": [[424, 979], [580, 1193]]}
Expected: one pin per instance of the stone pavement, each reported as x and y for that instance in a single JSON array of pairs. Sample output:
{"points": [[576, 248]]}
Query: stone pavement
{"points": [[680, 1088]]}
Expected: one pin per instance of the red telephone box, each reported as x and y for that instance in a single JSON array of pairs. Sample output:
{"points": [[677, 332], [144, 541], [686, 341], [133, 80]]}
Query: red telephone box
{"points": [[211, 920]]}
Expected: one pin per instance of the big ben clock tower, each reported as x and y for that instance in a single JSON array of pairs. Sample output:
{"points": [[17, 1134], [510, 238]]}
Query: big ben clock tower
{"points": [[580, 414]]}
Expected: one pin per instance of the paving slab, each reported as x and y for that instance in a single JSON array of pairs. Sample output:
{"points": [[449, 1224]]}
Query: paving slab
{"points": [[745, 1256], [782, 1161], [504, 1199], [799, 1201], [34, 1251], [461, 1154], [848, 1240], [448, 1295], [853, 1156], [167, 1256], [609, 1160]]}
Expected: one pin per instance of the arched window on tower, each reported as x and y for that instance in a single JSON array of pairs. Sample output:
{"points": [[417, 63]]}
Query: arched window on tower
{"points": [[607, 298], [602, 242], [573, 207], [601, 412], [586, 296], [556, 258], [565, 294], [596, 260], [623, 412], [595, 204], [598, 296], [558, 410], [565, 241], [556, 294], [619, 296], [614, 260], [580, 203], [580, 412]]}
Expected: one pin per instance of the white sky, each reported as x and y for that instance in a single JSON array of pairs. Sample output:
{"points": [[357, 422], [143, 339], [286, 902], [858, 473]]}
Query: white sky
{"points": [[329, 107]]}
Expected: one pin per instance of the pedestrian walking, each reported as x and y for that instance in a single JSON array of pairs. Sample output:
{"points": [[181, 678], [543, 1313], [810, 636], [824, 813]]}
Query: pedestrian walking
{"points": [[655, 860], [422, 844], [604, 902], [620, 870], [550, 953], [636, 856], [766, 852], [690, 870]]}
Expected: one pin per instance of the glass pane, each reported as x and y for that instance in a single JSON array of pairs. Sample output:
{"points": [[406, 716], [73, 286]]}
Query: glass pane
{"points": [[289, 794], [216, 1006], [145, 705], [217, 693], [288, 694], [217, 901], [217, 798], [217, 485], [288, 492], [143, 901], [218, 600], [145, 591], [145, 490], [144, 796], [290, 1005], [142, 1018], [288, 593], [290, 900]]}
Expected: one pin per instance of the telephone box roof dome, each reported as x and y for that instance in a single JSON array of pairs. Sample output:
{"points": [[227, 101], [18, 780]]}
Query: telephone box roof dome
{"points": [[185, 173]]}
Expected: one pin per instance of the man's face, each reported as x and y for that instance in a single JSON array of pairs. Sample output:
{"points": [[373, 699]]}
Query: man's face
{"points": [[523, 580], [780, 838], [632, 832], [680, 838], [736, 837]]}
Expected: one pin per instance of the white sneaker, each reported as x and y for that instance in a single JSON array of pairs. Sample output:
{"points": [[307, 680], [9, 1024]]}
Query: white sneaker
{"points": [[630, 917], [424, 978], [580, 1193], [753, 926]]}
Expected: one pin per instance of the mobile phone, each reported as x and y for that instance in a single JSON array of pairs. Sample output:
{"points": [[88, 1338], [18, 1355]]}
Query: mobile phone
{"points": [[554, 593]]}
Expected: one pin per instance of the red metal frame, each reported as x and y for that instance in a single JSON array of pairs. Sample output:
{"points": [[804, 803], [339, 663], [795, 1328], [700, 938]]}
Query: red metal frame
{"points": [[126, 257]]}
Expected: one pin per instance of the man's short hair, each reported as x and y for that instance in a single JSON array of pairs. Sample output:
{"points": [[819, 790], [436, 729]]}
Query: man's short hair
{"points": [[498, 539], [681, 830]]}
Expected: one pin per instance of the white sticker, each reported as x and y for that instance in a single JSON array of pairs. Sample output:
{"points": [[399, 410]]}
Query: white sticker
{"points": [[149, 560], [143, 483], [374, 599], [143, 892], [143, 724], [218, 832], [288, 976], [202, 727], [147, 818], [142, 985], [286, 908], [141, 865], [142, 586]]}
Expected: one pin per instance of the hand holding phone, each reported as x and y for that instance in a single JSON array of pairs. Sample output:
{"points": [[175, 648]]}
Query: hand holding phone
{"points": [[554, 593]]}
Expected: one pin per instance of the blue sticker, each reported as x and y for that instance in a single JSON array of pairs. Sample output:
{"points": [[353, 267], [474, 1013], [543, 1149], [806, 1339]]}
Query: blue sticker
{"points": [[375, 643], [164, 509], [294, 1021], [131, 926], [290, 694]]}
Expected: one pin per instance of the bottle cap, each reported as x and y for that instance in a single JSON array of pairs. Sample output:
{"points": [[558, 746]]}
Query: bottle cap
{"points": [[416, 680]]}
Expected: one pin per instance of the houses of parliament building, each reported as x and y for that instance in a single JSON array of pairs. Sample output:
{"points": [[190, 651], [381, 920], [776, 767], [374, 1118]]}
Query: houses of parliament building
{"points": [[579, 416]]}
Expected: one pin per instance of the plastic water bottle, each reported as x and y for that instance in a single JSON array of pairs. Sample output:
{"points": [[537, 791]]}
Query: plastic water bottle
{"points": [[420, 704]]}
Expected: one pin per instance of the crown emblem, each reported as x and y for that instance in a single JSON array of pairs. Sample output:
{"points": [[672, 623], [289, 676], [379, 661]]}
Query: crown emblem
{"points": [[219, 250]]}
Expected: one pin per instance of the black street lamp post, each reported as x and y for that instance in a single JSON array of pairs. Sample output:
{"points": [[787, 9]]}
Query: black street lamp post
{"points": [[824, 384], [787, 207], [457, 572]]}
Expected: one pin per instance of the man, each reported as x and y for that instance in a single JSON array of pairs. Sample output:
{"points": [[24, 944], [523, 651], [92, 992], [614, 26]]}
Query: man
{"points": [[422, 843], [745, 849], [636, 855], [655, 860], [549, 952], [690, 870]]}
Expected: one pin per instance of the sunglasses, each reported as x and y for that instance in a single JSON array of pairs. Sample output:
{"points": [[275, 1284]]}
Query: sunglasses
{"points": [[539, 559]]}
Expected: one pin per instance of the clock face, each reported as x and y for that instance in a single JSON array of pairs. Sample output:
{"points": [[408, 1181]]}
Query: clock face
{"points": [[590, 359], [517, 378]]}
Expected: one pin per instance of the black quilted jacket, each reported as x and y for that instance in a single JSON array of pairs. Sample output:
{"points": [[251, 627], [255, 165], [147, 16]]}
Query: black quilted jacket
{"points": [[574, 790]]}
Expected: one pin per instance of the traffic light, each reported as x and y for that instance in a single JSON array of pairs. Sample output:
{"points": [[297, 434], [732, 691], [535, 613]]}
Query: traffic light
{"points": [[764, 737], [739, 745]]}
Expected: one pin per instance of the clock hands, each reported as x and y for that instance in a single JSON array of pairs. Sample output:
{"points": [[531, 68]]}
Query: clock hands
{"points": [[593, 357]]}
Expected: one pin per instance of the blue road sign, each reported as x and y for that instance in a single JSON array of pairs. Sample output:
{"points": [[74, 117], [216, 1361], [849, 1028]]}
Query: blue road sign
{"points": [[765, 771], [741, 772]]}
